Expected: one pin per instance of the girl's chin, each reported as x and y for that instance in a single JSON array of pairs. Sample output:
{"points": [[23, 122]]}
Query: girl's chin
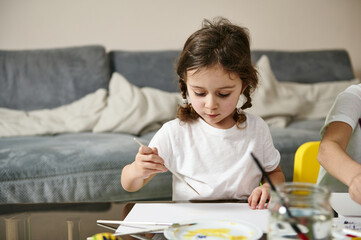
{"points": [[223, 124]]}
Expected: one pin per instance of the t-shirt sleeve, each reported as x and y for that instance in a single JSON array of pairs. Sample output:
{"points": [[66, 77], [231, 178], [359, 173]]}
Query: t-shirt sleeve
{"points": [[271, 156], [346, 108], [161, 141]]}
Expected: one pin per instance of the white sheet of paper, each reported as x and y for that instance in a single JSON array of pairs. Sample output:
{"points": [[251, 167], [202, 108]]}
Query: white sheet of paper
{"points": [[347, 222], [180, 212], [344, 205]]}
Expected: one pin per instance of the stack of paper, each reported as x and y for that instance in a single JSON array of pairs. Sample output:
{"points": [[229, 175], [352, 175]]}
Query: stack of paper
{"points": [[344, 205], [193, 212], [349, 213]]}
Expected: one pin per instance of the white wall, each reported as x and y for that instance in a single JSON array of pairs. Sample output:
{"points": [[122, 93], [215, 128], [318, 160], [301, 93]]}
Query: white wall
{"points": [[165, 24]]}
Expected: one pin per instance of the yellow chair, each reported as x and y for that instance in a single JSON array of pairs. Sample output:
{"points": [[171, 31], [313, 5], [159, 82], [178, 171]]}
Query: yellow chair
{"points": [[306, 166]]}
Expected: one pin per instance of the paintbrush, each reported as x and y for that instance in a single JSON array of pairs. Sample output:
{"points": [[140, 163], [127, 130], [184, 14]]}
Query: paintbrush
{"points": [[144, 225], [173, 172], [294, 226]]}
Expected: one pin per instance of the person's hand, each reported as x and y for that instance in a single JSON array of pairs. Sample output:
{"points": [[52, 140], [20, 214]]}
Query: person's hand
{"points": [[259, 196], [148, 162], [355, 188]]}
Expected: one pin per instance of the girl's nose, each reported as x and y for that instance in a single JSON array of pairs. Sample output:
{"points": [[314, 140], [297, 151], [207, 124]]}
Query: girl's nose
{"points": [[211, 102]]}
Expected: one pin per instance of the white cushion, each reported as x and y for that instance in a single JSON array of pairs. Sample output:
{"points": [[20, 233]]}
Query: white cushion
{"points": [[135, 110], [280, 102], [78, 116]]}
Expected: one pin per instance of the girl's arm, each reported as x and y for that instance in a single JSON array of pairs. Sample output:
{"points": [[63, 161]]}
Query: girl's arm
{"points": [[276, 176], [333, 157], [261, 194], [146, 165]]}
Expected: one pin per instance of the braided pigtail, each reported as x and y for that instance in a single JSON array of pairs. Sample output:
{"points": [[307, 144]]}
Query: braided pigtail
{"points": [[239, 115], [186, 112], [247, 94]]}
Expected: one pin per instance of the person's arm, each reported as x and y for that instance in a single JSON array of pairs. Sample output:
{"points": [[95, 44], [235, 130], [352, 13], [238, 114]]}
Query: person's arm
{"points": [[333, 157], [146, 165], [276, 176], [261, 194]]}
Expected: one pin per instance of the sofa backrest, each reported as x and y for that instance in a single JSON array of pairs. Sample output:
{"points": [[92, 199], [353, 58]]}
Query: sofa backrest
{"points": [[158, 68], [155, 69], [37, 79], [308, 66]]}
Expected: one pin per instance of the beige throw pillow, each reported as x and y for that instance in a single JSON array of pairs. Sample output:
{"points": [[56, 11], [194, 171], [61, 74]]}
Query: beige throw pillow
{"points": [[78, 116], [135, 110], [280, 102]]}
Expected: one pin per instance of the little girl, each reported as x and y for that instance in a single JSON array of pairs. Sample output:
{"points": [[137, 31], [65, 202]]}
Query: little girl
{"points": [[210, 142]]}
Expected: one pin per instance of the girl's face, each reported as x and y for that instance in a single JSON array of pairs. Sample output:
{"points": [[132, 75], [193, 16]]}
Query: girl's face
{"points": [[214, 95]]}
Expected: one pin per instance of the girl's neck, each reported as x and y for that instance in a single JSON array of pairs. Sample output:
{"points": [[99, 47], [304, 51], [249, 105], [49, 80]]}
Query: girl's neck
{"points": [[224, 124]]}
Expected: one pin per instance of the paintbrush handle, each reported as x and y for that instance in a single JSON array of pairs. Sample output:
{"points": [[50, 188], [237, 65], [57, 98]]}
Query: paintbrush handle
{"points": [[294, 226], [140, 231], [183, 180], [134, 223], [177, 175], [263, 172], [137, 141]]}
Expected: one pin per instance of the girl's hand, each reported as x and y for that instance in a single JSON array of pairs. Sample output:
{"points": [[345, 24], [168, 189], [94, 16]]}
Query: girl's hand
{"points": [[259, 196], [355, 188], [148, 162]]}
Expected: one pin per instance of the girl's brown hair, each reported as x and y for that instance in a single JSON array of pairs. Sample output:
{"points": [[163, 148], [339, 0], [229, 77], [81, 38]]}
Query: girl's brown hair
{"points": [[217, 42]]}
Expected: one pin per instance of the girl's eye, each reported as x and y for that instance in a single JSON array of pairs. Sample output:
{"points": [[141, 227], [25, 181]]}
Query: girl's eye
{"points": [[223, 95], [199, 94]]}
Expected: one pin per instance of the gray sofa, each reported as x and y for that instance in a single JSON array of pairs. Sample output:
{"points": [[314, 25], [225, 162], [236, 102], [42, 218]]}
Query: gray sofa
{"points": [[73, 167]]}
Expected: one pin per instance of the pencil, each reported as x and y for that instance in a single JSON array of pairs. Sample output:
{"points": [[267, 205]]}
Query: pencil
{"points": [[173, 172]]}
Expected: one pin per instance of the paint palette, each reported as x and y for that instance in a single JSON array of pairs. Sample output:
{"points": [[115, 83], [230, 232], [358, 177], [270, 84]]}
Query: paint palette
{"points": [[214, 229]]}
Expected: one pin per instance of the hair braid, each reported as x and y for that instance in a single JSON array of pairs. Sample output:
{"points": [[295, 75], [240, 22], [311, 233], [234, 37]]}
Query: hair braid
{"points": [[186, 112]]}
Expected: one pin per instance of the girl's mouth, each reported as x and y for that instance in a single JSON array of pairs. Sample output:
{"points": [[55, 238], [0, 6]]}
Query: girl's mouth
{"points": [[212, 115]]}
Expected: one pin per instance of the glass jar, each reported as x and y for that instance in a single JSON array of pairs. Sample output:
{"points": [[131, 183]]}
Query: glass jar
{"points": [[309, 207]]}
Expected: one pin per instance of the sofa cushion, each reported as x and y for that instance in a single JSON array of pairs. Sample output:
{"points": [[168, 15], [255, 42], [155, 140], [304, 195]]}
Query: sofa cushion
{"points": [[38, 79], [287, 140], [154, 69], [308, 66], [309, 124], [72, 167]]}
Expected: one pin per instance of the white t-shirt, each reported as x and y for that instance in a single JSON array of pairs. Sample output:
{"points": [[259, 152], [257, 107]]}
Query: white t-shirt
{"points": [[216, 162], [347, 108]]}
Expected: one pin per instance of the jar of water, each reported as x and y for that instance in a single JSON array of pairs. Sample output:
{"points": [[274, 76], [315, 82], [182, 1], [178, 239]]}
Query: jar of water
{"points": [[308, 208]]}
